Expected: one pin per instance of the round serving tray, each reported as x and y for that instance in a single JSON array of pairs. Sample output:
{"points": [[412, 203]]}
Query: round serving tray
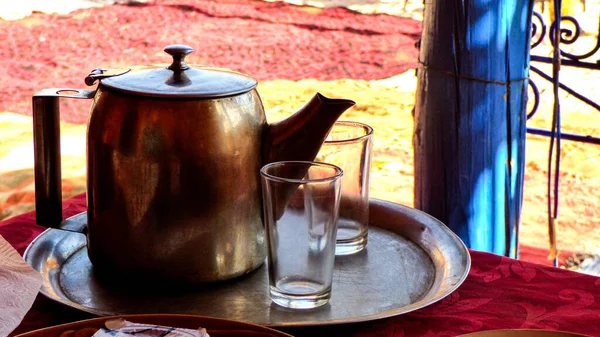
{"points": [[412, 260]]}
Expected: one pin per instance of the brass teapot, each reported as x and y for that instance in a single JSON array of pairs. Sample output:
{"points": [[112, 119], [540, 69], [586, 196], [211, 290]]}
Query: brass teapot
{"points": [[173, 160]]}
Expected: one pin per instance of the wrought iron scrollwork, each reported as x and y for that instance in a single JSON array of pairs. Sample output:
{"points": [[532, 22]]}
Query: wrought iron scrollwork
{"points": [[536, 99], [534, 29], [569, 35]]}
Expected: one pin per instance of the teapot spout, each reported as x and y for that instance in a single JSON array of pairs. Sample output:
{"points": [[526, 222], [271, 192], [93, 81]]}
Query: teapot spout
{"points": [[300, 136]]}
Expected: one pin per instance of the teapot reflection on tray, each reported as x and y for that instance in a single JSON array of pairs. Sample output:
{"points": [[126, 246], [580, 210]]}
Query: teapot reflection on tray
{"points": [[173, 160]]}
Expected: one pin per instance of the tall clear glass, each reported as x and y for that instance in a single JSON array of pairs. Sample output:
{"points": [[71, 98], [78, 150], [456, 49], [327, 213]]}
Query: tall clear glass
{"points": [[349, 145], [301, 205]]}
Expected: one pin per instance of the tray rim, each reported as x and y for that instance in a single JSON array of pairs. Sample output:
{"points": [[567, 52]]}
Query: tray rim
{"points": [[424, 301]]}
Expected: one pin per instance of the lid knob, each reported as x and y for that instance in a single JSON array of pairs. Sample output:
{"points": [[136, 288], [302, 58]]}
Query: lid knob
{"points": [[178, 52]]}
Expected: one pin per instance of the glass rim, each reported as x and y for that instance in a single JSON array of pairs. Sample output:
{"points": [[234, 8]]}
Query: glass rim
{"points": [[367, 128], [338, 172]]}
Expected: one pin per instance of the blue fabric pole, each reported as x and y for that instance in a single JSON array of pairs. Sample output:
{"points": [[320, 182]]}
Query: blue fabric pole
{"points": [[470, 114]]}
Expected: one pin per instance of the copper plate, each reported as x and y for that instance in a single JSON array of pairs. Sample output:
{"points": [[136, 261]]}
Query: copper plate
{"points": [[412, 260], [214, 326]]}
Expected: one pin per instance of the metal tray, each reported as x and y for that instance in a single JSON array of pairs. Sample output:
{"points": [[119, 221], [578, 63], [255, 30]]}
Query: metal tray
{"points": [[411, 261]]}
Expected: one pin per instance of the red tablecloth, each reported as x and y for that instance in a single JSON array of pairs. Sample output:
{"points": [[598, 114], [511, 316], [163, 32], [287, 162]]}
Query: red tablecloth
{"points": [[499, 293]]}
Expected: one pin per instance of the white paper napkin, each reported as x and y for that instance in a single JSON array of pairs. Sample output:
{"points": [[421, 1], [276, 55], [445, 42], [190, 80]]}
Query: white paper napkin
{"points": [[119, 327], [19, 285]]}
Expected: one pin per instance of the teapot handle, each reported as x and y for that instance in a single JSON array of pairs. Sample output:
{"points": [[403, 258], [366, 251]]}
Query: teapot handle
{"points": [[46, 147]]}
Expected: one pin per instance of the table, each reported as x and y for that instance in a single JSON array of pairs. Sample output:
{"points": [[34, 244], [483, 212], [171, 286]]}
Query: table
{"points": [[499, 293]]}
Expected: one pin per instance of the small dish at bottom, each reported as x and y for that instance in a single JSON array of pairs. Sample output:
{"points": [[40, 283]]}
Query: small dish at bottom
{"points": [[522, 333], [215, 327]]}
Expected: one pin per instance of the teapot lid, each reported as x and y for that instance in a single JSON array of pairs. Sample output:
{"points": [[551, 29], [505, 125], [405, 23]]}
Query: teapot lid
{"points": [[177, 80]]}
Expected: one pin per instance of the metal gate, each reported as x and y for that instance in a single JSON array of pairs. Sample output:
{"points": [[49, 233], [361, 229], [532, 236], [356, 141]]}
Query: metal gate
{"points": [[563, 30]]}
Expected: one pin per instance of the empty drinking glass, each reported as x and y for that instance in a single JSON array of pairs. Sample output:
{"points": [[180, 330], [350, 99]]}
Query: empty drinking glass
{"points": [[349, 146], [301, 204]]}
